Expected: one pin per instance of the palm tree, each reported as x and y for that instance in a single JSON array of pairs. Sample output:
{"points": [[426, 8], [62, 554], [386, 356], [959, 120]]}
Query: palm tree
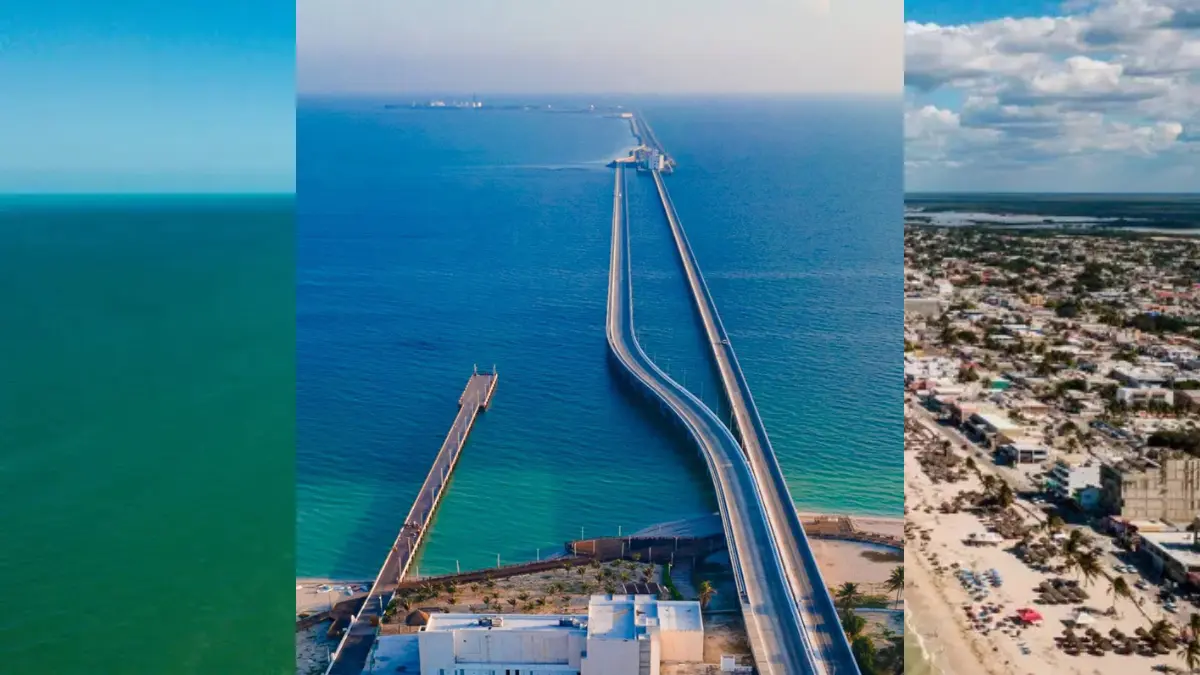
{"points": [[1088, 564], [854, 625], [1194, 626], [1004, 496], [895, 581], [1054, 523], [1161, 630], [1075, 542], [989, 484], [848, 596], [706, 592], [1190, 653], [1119, 589], [1070, 562]]}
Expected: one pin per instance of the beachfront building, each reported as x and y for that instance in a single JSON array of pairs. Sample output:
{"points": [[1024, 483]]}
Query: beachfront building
{"points": [[620, 635], [1144, 489], [1024, 452], [993, 427], [635, 633], [1075, 484], [1174, 555]]}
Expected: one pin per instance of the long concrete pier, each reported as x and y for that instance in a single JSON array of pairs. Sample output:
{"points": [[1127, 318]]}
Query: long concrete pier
{"points": [[355, 646], [773, 624], [821, 621]]}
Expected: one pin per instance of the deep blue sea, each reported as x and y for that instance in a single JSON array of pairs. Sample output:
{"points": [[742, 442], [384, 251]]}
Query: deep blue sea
{"points": [[429, 241]]}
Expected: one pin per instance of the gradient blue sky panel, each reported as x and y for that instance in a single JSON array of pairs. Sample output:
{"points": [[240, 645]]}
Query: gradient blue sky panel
{"points": [[582, 46], [138, 96]]}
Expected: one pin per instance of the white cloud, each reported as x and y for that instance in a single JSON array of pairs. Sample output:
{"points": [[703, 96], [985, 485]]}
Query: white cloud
{"points": [[1112, 80]]}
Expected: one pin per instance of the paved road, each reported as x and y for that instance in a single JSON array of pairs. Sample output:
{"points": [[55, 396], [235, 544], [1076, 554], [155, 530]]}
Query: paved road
{"points": [[818, 611], [773, 624], [356, 645]]}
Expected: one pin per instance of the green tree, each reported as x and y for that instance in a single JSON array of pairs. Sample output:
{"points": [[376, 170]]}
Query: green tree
{"points": [[895, 581], [1088, 565], [853, 625], [1119, 589], [1190, 653], [706, 592], [1075, 542], [1162, 630], [848, 596], [864, 654], [1004, 496]]}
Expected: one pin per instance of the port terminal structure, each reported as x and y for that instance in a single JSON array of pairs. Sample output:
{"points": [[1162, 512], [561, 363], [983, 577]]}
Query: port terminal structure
{"points": [[781, 639], [649, 155], [355, 646]]}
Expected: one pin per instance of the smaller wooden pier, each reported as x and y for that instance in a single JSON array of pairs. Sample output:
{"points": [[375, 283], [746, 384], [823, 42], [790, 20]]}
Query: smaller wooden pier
{"points": [[355, 647]]}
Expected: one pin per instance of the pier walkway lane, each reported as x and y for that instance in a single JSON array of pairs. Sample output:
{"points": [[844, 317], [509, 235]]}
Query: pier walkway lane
{"points": [[821, 621], [355, 647], [773, 623]]}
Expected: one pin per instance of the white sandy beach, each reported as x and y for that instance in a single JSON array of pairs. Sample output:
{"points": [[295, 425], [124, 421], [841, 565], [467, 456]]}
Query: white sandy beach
{"points": [[842, 561], [311, 598], [936, 601]]}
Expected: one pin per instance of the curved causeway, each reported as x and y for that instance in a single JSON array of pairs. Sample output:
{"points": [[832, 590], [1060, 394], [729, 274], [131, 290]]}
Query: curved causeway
{"points": [[776, 632], [819, 614]]}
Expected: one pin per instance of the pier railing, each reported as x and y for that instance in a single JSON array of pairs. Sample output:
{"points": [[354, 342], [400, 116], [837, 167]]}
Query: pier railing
{"points": [[355, 645]]}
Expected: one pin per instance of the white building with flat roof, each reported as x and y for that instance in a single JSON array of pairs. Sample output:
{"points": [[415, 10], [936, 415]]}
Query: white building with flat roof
{"points": [[620, 635], [635, 633], [1174, 554]]}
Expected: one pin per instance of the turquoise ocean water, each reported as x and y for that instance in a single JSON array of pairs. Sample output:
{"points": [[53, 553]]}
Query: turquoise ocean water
{"points": [[146, 434], [429, 241]]}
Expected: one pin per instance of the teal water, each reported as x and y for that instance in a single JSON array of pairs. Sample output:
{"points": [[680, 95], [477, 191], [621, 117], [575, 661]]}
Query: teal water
{"points": [[146, 434], [429, 241]]}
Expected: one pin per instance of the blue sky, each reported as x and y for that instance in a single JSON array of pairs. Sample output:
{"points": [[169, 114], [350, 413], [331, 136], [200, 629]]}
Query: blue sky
{"points": [[614, 46], [137, 96], [1074, 96], [952, 12]]}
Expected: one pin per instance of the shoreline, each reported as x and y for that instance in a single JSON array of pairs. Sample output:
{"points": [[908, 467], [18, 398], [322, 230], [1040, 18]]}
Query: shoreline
{"points": [[698, 525], [970, 626]]}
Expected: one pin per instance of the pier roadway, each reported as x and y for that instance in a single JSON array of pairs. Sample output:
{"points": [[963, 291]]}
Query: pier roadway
{"points": [[355, 647], [817, 609], [773, 624]]}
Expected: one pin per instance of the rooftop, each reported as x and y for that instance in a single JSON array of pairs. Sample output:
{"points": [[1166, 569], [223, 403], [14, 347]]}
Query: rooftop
{"points": [[625, 617], [445, 622], [1178, 545]]}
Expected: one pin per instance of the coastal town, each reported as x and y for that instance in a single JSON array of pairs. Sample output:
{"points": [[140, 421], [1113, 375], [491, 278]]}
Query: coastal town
{"points": [[1052, 449]]}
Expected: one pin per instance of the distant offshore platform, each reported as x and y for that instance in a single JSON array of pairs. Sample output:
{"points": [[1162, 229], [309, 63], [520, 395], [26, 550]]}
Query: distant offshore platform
{"points": [[647, 156]]}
